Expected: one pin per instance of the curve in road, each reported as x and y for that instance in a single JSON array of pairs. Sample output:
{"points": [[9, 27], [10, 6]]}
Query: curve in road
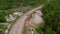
{"points": [[17, 28]]}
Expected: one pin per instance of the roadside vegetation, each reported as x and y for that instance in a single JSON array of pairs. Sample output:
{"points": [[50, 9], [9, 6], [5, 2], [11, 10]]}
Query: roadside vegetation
{"points": [[3, 14], [51, 17], [7, 4], [2, 29], [2, 32]]}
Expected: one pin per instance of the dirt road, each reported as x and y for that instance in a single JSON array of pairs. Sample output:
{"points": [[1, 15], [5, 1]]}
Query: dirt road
{"points": [[18, 26]]}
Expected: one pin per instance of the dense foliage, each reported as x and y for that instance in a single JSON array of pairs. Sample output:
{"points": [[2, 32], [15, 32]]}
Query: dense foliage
{"points": [[33, 2], [51, 16], [7, 4], [3, 15]]}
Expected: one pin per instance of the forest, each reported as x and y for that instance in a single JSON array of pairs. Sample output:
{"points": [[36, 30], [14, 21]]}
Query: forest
{"points": [[51, 17]]}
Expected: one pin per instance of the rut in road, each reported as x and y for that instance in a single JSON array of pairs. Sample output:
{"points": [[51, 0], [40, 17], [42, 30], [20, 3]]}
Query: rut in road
{"points": [[17, 28]]}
